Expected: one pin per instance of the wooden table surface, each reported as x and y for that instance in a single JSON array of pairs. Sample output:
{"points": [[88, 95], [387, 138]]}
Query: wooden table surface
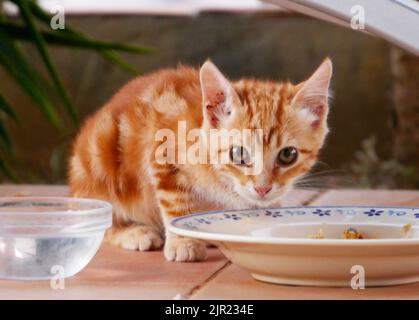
{"points": [[119, 274]]}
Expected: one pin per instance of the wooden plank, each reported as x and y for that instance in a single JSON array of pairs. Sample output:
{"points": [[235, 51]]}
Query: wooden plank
{"points": [[121, 274], [25, 190], [297, 197], [234, 282], [369, 197], [293, 198]]}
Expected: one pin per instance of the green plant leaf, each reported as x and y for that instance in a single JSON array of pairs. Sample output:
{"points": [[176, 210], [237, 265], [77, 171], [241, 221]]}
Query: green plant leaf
{"points": [[57, 38], [71, 39], [6, 170], [102, 47], [115, 59], [7, 109], [106, 54], [4, 137], [18, 68], [41, 46]]}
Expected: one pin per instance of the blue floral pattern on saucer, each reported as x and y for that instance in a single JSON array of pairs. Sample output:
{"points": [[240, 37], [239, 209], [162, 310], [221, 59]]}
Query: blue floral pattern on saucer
{"points": [[362, 214], [321, 212], [373, 212]]}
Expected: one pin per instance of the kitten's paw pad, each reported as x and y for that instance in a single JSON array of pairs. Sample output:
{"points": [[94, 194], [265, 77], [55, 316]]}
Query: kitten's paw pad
{"points": [[184, 249], [140, 238]]}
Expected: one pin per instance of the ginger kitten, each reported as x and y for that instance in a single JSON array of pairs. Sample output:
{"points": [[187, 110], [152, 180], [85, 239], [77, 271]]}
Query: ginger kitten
{"points": [[115, 155]]}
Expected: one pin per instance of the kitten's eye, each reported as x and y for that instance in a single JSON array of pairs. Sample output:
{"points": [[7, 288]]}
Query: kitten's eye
{"points": [[287, 156], [239, 155]]}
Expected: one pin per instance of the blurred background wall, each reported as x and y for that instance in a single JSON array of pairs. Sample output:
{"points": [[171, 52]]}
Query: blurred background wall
{"points": [[275, 45]]}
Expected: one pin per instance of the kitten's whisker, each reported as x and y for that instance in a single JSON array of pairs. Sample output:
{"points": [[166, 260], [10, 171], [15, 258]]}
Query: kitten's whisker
{"points": [[322, 163], [326, 179], [324, 172], [328, 174]]}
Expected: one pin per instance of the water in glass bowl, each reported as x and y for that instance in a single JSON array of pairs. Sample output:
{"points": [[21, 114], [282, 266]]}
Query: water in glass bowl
{"points": [[44, 238], [43, 258]]}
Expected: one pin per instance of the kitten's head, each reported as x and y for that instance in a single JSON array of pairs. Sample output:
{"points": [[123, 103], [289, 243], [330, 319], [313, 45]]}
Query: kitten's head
{"points": [[262, 166]]}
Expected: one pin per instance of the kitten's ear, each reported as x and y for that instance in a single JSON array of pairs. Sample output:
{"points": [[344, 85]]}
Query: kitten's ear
{"points": [[217, 94], [313, 94]]}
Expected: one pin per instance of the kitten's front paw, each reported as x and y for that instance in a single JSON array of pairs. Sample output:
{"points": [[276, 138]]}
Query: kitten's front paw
{"points": [[183, 249], [142, 238]]}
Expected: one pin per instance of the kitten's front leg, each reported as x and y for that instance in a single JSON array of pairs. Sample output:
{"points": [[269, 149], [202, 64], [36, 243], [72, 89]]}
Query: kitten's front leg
{"points": [[183, 249], [175, 201], [134, 237], [178, 248]]}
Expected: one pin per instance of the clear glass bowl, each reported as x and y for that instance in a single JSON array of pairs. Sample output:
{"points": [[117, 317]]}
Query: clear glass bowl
{"points": [[45, 237]]}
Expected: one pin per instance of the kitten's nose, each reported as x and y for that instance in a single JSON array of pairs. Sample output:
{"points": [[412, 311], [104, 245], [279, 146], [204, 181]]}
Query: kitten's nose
{"points": [[262, 191]]}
